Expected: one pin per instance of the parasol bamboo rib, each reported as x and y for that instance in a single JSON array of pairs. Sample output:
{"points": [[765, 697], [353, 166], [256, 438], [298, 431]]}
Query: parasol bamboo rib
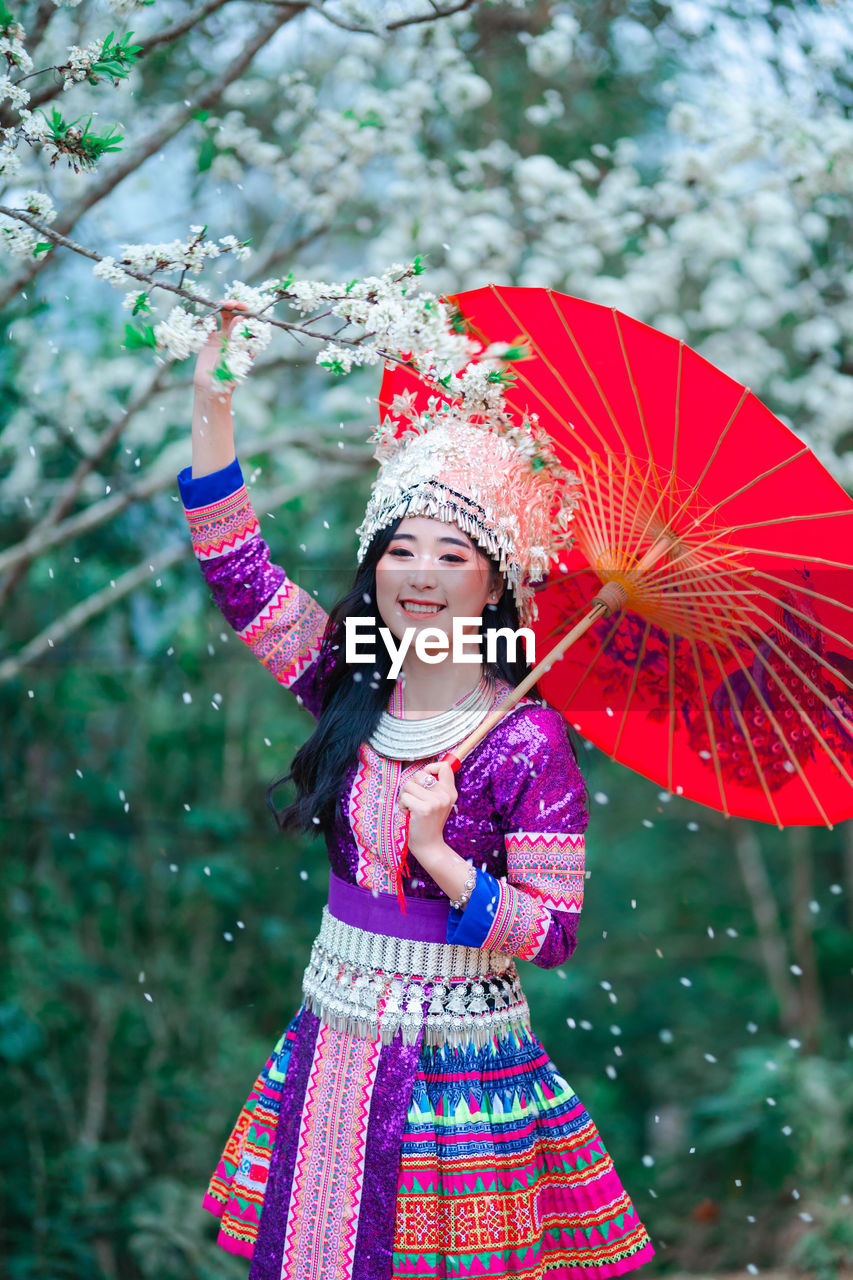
{"points": [[716, 449], [676, 429], [735, 706], [671, 659], [709, 724], [750, 484], [803, 617], [634, 676], [801, 590], [598, 653], [473, 328], [811, 653], [783, 688], [792, 759], [633, 383]]}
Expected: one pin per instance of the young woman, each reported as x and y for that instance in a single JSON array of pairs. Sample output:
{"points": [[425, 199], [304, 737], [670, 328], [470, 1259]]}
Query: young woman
{"points": [[408, 1122]]}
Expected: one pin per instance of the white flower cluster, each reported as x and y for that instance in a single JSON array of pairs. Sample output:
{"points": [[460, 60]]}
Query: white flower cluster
{"points": [[80, 61], [12, 50], [188, 256], [30, 128], [13, 93], [393, 316], [174, 255], [127, 6], [550, 52], [182, 334], [17, 238], [248, 337]]}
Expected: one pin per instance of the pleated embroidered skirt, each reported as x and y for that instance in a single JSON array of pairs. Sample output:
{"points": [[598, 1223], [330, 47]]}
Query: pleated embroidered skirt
{"points": [[409, 1124]]}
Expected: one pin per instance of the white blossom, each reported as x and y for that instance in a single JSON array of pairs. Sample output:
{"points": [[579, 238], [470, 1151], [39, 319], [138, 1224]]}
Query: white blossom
{"points": [[550, 52], [182, 334], [131, 299], [80, 61], [107, 269], [12, 49], [13, 93]]}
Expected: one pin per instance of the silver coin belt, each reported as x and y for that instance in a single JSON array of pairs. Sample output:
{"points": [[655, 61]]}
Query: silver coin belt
{"points": [[368, 984]]}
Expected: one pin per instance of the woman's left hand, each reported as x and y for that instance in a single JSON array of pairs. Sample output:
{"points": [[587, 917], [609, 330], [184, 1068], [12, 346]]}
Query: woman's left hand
{"points": [[428, 808]]}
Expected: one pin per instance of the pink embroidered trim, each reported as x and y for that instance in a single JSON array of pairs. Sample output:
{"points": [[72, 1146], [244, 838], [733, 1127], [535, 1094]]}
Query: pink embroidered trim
{"points": [[223, 526], [322, 1217], [520, 923], [286, 635], [548, 864]]}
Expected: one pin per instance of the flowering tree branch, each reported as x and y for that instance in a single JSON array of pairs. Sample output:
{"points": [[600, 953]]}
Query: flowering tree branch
{"points": [[150, 145], [434, 13]]}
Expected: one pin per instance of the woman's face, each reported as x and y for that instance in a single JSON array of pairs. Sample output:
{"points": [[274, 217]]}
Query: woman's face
{"points": [[430, 574]]}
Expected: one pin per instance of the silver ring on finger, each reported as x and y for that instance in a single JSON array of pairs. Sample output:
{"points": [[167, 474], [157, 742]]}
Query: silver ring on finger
{"points": [[429, 781]]}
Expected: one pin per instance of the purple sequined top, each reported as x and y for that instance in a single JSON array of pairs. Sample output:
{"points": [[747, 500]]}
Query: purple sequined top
{"points": [[521, 812]]}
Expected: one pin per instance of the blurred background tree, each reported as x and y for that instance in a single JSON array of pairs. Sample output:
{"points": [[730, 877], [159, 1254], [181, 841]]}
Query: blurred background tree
{"points": [[690, 163]]}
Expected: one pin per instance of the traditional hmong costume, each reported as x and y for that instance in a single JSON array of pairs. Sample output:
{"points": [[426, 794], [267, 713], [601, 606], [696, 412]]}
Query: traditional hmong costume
{"points": [[408, 1123]]}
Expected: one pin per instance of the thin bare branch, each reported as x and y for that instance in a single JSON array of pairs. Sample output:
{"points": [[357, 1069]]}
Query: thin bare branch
{"points": [[77, 617], [435, 13], [43, 539], [65, 499]]}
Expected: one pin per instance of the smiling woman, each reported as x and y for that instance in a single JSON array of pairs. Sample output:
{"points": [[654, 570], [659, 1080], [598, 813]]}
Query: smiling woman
{"points": [[409, 1123]]}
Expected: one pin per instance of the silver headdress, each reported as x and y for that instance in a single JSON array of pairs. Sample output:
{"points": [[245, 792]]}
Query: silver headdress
{"points": [[500, 482]]}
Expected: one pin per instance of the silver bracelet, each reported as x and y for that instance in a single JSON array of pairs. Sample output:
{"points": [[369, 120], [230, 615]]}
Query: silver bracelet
{"points": [[467, 889]]}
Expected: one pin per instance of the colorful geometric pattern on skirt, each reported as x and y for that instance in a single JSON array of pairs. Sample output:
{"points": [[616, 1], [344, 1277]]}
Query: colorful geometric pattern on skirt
{"points": [[503, 1174], [236, 1190], [322, 1219]]}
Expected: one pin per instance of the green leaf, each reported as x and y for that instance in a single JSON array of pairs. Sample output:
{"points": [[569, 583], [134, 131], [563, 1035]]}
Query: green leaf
{"points": [[43, 246], [135, 339], [141, 304], [222, 373], [206, 154]]}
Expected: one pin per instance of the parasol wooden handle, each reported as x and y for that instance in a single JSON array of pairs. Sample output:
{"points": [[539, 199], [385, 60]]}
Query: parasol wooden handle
{"points": [[610, 597], [455, 758]]}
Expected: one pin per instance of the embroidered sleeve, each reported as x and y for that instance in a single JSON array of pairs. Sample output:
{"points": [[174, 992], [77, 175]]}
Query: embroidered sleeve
{"points": [[533, 911], [281, 623]]}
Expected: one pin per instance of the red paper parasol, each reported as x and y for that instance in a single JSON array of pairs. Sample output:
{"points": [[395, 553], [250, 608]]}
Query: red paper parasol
{"points": [[727, 676]]}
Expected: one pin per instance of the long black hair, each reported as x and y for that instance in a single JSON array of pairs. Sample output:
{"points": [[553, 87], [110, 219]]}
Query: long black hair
{"points": [[355, 695]]}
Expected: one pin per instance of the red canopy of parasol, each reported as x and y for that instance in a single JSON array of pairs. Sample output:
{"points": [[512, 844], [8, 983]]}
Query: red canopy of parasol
{"points": [[728, 675]]}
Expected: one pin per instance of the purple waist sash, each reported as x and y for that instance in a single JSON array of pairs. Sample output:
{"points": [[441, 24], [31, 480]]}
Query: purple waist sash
{"points": [[425, 919]]}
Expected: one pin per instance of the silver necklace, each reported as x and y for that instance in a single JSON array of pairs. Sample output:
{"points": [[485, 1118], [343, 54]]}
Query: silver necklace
{"points": [[399, 739]]}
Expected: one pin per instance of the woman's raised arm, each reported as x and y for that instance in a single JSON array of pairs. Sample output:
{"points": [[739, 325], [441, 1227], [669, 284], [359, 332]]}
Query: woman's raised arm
{"points": [[281, 623]]}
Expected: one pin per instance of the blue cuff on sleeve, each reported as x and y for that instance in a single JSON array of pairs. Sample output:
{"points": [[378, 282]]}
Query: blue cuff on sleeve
{"points": [[202, 490], [470, 927]]}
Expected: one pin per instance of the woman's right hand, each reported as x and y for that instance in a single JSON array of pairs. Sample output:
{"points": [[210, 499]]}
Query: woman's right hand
{"points": [[206, 385]]}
